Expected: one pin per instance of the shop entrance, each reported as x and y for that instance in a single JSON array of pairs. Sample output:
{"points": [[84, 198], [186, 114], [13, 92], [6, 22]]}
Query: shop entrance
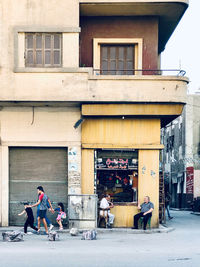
{"points": [[117, 175]]}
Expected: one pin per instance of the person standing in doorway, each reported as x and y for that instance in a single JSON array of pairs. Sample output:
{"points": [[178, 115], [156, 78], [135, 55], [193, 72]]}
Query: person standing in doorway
{"points": [[43, 198], [167, 200]]}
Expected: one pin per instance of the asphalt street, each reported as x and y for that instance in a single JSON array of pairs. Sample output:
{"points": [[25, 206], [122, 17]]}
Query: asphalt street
{"points": [[177, 248]]}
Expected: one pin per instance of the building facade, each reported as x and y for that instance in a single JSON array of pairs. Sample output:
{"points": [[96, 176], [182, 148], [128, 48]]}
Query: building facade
{"points": [[181, 156], [82, 103]]}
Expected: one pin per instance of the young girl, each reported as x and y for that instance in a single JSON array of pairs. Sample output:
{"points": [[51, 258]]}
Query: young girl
{"points": [[61, 215], [30, 218]]}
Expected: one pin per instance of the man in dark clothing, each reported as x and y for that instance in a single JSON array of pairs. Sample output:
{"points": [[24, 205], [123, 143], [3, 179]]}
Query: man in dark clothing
{"points": [[30, 218], [146, 212]]}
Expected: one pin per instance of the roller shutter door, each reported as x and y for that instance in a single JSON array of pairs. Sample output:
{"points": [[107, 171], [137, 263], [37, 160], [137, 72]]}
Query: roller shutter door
{"points": [[31, 167]]}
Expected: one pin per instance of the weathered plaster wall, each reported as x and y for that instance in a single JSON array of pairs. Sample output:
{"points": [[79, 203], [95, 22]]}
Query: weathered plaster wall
{"points": [[39, 127]]}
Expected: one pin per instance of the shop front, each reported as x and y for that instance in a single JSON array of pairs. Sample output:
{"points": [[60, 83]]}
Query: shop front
{"points": [[120, 157], [117, 175]]}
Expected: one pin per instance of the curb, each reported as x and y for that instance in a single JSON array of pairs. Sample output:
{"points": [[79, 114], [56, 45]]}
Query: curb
{"points": [[195, 213], [161, 229]]}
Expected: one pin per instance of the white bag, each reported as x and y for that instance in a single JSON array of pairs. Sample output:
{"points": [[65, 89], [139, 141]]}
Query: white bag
{"points": [[14, 236], [74, 231], [53, 236], [89, 235]]}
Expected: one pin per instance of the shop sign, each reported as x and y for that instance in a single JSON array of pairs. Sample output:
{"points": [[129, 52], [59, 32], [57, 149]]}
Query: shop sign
{"points": [[189, 180], [116, 163]]}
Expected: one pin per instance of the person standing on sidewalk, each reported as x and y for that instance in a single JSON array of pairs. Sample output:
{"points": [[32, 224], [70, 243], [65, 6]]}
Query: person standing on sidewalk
{"points": [[46, 218], [146, 212], [167, 200], [43, 198]]}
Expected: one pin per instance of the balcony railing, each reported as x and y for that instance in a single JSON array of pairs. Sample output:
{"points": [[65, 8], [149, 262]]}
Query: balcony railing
{"points": [[166, 72]]}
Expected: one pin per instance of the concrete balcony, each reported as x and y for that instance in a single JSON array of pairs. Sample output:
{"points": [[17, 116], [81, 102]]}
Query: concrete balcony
{"points": [[81, 85], [139, 88]]}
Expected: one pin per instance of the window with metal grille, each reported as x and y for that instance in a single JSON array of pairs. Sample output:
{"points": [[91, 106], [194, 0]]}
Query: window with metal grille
{"points": [[117, 59], [43, 50]]}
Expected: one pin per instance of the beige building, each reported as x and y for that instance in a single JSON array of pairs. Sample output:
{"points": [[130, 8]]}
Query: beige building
{"points": [[61, 61]]}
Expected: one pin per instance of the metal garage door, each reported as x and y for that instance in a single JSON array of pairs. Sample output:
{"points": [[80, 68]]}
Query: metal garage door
{"points": [[31, 167]]}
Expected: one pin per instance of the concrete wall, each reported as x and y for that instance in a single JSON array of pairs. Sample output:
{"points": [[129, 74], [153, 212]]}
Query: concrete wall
{"points": [[38, 127], [71, 83], [79, 87], [20, 16]]}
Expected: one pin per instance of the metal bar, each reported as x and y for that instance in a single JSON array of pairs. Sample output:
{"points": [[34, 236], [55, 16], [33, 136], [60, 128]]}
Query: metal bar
{"points": [[179, 72]]}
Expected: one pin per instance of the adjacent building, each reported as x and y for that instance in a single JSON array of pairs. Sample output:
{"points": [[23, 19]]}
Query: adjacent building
{"points": [[82, 102], [181, 156]]}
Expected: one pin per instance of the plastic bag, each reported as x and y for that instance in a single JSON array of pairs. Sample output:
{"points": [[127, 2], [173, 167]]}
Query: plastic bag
{"points": [[53, 236], [89, 235], [14, 236], [74, 232]]}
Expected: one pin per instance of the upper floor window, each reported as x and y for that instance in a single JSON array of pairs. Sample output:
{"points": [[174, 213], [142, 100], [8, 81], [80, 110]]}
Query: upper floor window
{"points": [[117, 56], [117, 59], [43, 50]]}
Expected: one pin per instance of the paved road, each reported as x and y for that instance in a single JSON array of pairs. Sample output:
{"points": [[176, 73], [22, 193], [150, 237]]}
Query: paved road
{"points": [[180, 247]]}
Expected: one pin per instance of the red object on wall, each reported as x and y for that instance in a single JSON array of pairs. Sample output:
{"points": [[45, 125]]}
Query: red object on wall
{"points": [[189, 180]]}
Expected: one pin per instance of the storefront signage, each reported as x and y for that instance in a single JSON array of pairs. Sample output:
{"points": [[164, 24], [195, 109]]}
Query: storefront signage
{"points": [[189, 180], [115, 163]]}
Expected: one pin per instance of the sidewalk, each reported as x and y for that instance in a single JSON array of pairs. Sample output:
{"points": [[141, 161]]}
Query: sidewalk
{"points": [[161, 229]]}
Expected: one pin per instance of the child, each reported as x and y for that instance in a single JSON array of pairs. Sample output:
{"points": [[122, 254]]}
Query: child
{"points": [[30, 218], [61, 215]]}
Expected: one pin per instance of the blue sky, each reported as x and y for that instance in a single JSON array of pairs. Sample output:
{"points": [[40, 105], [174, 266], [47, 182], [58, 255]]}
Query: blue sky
{"points": [[183, 48]]}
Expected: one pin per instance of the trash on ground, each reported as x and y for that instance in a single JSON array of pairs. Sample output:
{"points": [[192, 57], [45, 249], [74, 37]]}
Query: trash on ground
{"points": [[74, 231], [53, 236], [13, 236], [89, 235]]}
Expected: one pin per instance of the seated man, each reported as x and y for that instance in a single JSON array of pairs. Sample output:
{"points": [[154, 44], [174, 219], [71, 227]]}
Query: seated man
{"points": [[146, 212], [105, 206]]}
